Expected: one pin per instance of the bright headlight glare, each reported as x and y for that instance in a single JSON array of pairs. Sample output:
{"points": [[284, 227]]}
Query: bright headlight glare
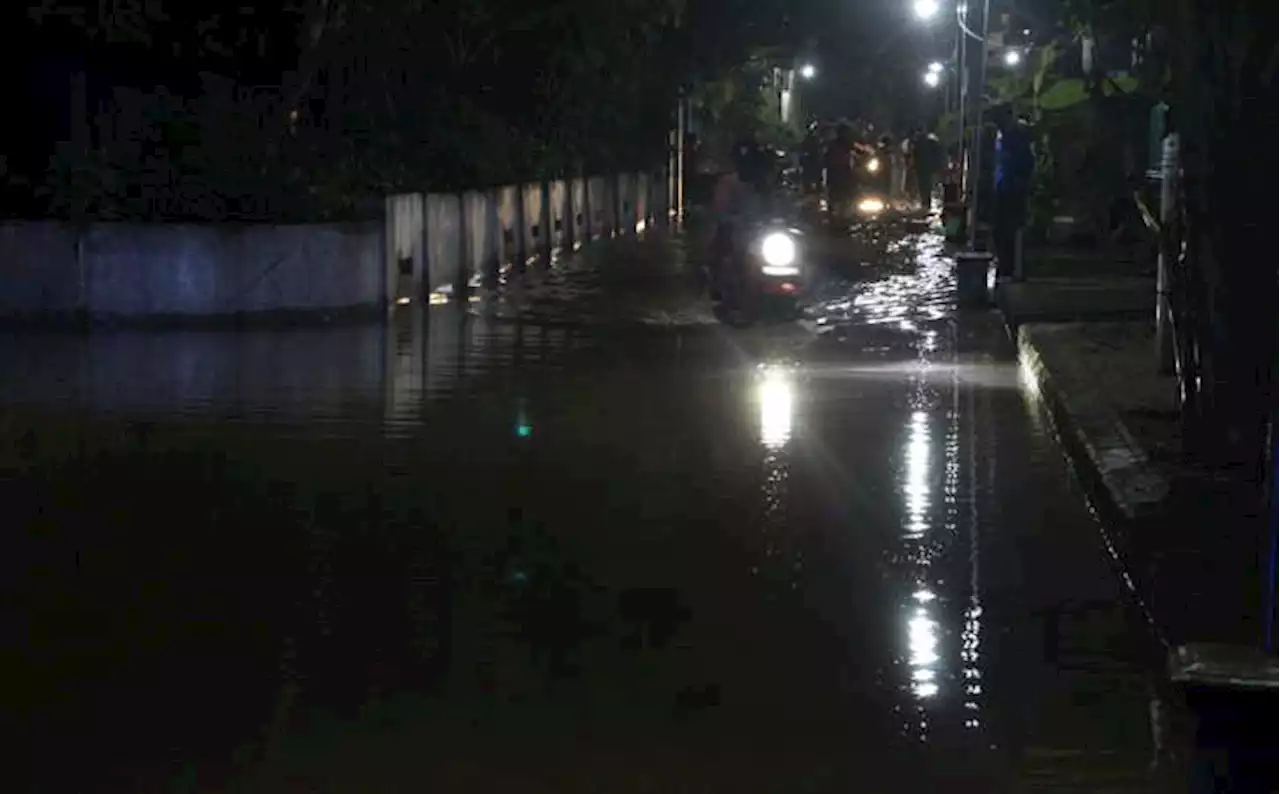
{"points": [[871, 206], [778, 250]]}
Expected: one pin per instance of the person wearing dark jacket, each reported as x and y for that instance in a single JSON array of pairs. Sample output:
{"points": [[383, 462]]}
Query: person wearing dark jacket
{"points": [[928, 160], [840, 177], [1014, 166]]}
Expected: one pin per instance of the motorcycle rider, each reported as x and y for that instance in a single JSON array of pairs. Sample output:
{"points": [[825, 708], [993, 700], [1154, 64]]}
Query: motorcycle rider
{"points": [[929, 159], [883, 178], [737, 201], [841, 177], [811, 159]]}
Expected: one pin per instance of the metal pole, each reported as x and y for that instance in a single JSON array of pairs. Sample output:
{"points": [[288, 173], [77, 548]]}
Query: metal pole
{"points": [[978, 142], [962, 98], [681, 110], [1019, 271], [1168, 197]]}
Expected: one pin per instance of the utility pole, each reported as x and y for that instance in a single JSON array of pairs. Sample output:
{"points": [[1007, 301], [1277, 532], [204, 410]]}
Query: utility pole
{"points": [[682, 109], [1164, 285], [978, 142], [962, 98]]}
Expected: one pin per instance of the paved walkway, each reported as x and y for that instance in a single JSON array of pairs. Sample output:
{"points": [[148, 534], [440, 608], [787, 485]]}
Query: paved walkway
{"points": [[1190, 543]]}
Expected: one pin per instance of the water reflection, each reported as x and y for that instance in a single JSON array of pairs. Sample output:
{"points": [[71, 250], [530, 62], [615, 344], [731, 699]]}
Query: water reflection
{"points": [[916, 480], [312, 377], [776, 395], [918, 287], [920, 547], [970, 636], [776, 398], [930, 488]]}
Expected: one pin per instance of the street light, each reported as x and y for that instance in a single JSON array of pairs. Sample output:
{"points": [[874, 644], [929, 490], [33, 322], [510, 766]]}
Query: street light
{"points": [[926, 9], [932, 78], [1012, 58], [808, 71], [935, 67]]}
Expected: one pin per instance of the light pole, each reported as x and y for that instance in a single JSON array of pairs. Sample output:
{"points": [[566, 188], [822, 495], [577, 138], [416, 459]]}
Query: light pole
{"points": [[978, 144], [925, 10], [933, 77]]}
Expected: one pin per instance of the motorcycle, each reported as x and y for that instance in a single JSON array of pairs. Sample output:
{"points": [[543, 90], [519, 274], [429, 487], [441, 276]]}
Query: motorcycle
{"points": [[871, 200], [764, 280]]}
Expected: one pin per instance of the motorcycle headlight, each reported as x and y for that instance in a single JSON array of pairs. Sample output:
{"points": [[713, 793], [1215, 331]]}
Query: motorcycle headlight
{"points": [[870, 206], [778, 250], [873, 164]]}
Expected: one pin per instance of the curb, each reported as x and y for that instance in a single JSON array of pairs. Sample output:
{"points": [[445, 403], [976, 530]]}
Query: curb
{"points": [[1123, 488], [1134, 488]]}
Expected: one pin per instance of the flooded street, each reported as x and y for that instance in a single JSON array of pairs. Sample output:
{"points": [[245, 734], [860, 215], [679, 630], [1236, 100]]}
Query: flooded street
{"points": [[479, 553]]}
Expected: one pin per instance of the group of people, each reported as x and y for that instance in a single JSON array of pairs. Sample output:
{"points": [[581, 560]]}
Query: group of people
{"points": [[838, 159]]}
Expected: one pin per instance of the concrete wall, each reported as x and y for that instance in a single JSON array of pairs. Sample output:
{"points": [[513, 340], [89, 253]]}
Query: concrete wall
{"points": [[426, 243], [180, 269], [39, 269], [405, 245], [443, 217], [473, 237], [132, 270]]}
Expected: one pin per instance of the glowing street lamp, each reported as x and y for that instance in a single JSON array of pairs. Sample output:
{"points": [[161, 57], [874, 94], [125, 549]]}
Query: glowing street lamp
{"points": [[1012, 58], [808, 71], [935, 67], [926, 9], [932, 79]]}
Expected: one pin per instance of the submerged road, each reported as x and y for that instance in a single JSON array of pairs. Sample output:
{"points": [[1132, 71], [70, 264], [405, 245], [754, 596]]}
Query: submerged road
{"points": [[611, 546]]}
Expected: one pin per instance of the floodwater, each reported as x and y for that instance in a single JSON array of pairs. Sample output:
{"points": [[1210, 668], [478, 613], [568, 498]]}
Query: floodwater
{"points": [[469, 553]]}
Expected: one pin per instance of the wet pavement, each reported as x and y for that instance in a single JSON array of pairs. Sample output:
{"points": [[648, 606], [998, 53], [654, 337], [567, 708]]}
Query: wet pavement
{"points": [[540, 551]]}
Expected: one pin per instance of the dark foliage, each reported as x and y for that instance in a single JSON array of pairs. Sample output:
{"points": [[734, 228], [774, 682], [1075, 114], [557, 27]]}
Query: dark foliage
{"points": [[155, 108]]}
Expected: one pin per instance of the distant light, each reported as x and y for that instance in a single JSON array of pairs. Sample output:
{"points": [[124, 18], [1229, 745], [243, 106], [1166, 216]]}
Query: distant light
{"points": [[926, 9], [808, 71], [404, 301], [1012, 58], [524, 431], [932, 79], [934, 67], [1026, 31], [871, 206]]}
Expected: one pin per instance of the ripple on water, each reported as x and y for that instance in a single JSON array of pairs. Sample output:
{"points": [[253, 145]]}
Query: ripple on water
{"points": [[914, 284]]}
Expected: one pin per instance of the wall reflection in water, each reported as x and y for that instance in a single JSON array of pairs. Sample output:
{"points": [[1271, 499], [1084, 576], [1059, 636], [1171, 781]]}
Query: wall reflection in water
{"points": [[367, 373]]}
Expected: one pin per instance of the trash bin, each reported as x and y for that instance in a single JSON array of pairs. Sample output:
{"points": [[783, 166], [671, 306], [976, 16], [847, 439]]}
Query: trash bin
{"points": [[975, 276]]}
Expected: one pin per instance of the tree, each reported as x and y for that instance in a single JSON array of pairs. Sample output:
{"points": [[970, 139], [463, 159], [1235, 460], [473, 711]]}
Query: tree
{"points": [[1210, 61], [328, 100]]}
